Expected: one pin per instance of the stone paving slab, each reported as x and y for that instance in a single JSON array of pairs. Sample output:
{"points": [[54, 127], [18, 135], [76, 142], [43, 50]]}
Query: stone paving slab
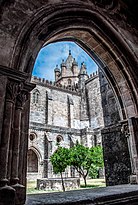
{"points": [[121, 194]]}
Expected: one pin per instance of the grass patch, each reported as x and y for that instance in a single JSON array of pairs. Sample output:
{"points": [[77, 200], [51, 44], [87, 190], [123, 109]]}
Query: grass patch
{"points": [[91, 183]]}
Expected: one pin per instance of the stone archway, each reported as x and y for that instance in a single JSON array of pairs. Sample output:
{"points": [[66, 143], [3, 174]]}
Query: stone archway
{"points": [[103, 48], [96, 27]]}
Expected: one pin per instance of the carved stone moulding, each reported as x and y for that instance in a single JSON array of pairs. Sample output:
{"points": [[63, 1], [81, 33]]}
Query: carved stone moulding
{"points": [[17, 81]]}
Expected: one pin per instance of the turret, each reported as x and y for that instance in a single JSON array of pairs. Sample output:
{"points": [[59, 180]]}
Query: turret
{"points": [[75, 68], [63, 68], [57, 73], [83, 68], [83, 71]]}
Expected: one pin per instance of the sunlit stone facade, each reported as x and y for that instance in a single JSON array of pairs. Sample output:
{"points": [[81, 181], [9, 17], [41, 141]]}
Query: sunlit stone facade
{"points": [[64, 111]]}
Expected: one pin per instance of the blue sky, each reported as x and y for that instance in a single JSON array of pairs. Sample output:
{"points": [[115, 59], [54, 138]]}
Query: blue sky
{"points": [[52, 55]]}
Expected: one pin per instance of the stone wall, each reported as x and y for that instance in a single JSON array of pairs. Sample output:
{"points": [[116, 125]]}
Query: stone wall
{"points": [[56, 184], [116, 156], [114, 139], [57, 112], [45, 144], [109, 102], [53, 105], [94, 102]]}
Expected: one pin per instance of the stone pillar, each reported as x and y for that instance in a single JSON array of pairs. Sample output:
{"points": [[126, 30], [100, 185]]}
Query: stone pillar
{"points": [[46, 109], [70, 105], [12, 82], [69, 112], [46, 151], [11, 92], [3, 82], [20, 189], [83, 106], [116, 155], [22, 169], [20, 143]]}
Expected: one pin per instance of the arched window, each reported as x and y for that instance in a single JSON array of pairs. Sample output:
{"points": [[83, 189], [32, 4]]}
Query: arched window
{"points": [[33, 97], [36, 97], [32, 161], [69, 81], [95, 140]]}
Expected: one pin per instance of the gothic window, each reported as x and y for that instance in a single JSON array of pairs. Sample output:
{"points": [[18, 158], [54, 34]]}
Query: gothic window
{"points": [[95, 140], [33, 97], [50, 146], [36, 97], [69, 81]]}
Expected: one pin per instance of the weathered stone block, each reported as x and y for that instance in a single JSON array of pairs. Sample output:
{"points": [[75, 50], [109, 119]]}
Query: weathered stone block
{"points": [[116, 156], [56, 184]]}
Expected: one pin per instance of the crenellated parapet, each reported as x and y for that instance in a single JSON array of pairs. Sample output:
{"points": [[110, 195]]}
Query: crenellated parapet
{"points": [[47, 83], [94, 74], [70, 88]]}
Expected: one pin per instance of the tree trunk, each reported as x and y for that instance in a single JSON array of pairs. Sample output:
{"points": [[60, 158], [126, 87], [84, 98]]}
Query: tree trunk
{"points": [[63, 187], [84, 177]]}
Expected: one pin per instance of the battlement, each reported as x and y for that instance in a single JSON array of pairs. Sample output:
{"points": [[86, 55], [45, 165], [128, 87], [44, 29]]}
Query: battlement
{"points": [[70, 88], [44, 82], [94, 74]]}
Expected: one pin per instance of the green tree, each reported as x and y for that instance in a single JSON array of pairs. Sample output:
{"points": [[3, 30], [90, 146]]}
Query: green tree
{"points": [[83, 158], [60, 160], [97, 161]]}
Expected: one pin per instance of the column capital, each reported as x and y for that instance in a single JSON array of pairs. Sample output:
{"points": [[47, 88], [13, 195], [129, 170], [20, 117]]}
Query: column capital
{"points": [[22, 97], [13, 88]]}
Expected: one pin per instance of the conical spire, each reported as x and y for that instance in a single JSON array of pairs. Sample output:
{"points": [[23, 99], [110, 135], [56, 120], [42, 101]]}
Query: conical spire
{"points": [[57, 69], [69, 61], [75, 62]]}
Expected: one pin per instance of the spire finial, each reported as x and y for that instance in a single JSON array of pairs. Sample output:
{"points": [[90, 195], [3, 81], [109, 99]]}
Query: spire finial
{"points": [[69, 52]]}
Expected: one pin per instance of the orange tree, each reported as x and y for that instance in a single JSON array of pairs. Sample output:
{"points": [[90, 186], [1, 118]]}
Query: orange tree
{"points": [[60, 160], [84, 158]]}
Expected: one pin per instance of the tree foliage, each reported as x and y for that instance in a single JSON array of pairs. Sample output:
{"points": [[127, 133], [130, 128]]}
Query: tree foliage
{"points": [[60, 160], [83, 158], [98, 162]]}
